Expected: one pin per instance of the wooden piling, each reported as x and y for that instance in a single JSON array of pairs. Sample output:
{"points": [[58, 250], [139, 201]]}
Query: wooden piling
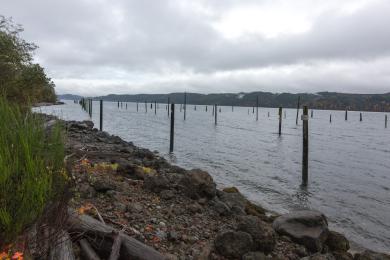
{"points": [[257, 108], [311, 113], [299, 100], [151, 104], [213, 110], [195, 107], [146, 107], [155, 107], [361, 117], [215, 114], [101, 115], [185, 105], [169, 101], [232, 109], [330, 118], [280, 120], [206, 108], [385, 121], [137, 105], [118, 104], [346, 114], [305, 154], [268, 113], [126, 105], [171, 140]]}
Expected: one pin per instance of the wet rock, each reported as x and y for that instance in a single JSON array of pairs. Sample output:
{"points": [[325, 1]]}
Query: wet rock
{"points": [[264, 237], [198, 184], [306, 227], [370, 255], [156, 182], [167, 194], [235, 201], [233, 244], [319, 256], [337, 242], [220, 207], [255, 210], [254, 256]]}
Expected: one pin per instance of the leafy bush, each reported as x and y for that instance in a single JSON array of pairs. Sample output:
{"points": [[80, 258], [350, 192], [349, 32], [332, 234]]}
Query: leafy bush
{"points": [[31, 168]]}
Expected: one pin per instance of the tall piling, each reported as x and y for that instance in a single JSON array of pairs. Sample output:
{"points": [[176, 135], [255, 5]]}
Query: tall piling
{"points": [[185, 105], [385, 121], [155, 107], [361, 117], [172, 132], [101, 115], [346, 114], [280, 120], [299, 100], [257, 108], [215, 114], [305, 150]]}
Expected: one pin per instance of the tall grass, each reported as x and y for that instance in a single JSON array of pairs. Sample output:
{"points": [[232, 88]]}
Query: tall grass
{"points": [[31, 168]]}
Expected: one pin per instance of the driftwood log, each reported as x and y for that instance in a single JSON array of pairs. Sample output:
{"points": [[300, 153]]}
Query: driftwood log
{"points": [[87, 250], [62, 249], [104, 238]]}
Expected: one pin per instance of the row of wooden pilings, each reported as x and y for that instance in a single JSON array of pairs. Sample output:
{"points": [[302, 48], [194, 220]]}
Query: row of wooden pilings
{"points": [[87, 105]]}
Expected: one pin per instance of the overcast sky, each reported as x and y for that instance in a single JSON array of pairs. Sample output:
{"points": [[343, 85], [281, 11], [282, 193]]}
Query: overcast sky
{"points": [[94, 47]]}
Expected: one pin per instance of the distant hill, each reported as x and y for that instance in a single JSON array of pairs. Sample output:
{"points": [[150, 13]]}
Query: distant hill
{"points": [[321, 100], [69, 97]]}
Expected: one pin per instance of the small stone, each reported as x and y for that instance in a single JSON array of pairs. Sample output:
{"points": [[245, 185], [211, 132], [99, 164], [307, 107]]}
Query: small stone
{"points": [[135, 207], [162, 224], [102, 186], [195, 208], [173, 236], [161, 234], [120, 206]]}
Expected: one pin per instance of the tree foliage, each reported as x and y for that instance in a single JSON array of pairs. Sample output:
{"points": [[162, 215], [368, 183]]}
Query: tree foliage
{"points": [[21, 80]]}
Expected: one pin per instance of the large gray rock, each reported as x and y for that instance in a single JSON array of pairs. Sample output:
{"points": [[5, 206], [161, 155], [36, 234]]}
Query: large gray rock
{"points": [[370, 255], [263, 235], [198, 184], [233, 244], [306, 227]]}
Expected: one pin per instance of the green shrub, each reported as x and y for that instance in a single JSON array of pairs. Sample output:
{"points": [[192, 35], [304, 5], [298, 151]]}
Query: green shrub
{"points": [[31, 168]]}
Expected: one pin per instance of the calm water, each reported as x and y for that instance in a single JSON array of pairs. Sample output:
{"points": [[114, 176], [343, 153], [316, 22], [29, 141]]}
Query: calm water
{"points": [[349, 161]]}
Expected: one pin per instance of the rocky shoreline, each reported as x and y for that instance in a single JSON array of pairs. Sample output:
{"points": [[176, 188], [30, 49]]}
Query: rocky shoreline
{"points": [[180, 213]]}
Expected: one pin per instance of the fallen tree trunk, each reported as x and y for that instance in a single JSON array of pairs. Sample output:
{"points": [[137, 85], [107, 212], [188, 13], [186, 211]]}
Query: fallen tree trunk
{"points": [[99, 234]]}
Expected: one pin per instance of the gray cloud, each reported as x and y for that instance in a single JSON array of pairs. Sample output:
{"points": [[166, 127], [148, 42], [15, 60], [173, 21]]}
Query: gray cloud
{"points": [[161, 46]]}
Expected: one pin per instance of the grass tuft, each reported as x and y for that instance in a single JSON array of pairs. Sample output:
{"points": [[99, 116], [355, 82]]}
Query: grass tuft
{"points": [[31, 168]]}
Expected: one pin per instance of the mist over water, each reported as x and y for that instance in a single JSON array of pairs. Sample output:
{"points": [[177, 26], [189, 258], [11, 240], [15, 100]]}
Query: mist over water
{"points": [[349, 161]]}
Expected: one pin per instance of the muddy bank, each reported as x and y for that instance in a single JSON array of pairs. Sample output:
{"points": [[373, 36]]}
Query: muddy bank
{"points": [[180, 212]]}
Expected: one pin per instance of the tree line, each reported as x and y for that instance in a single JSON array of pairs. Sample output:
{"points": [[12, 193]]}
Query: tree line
{"points": [[21, 80]]}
